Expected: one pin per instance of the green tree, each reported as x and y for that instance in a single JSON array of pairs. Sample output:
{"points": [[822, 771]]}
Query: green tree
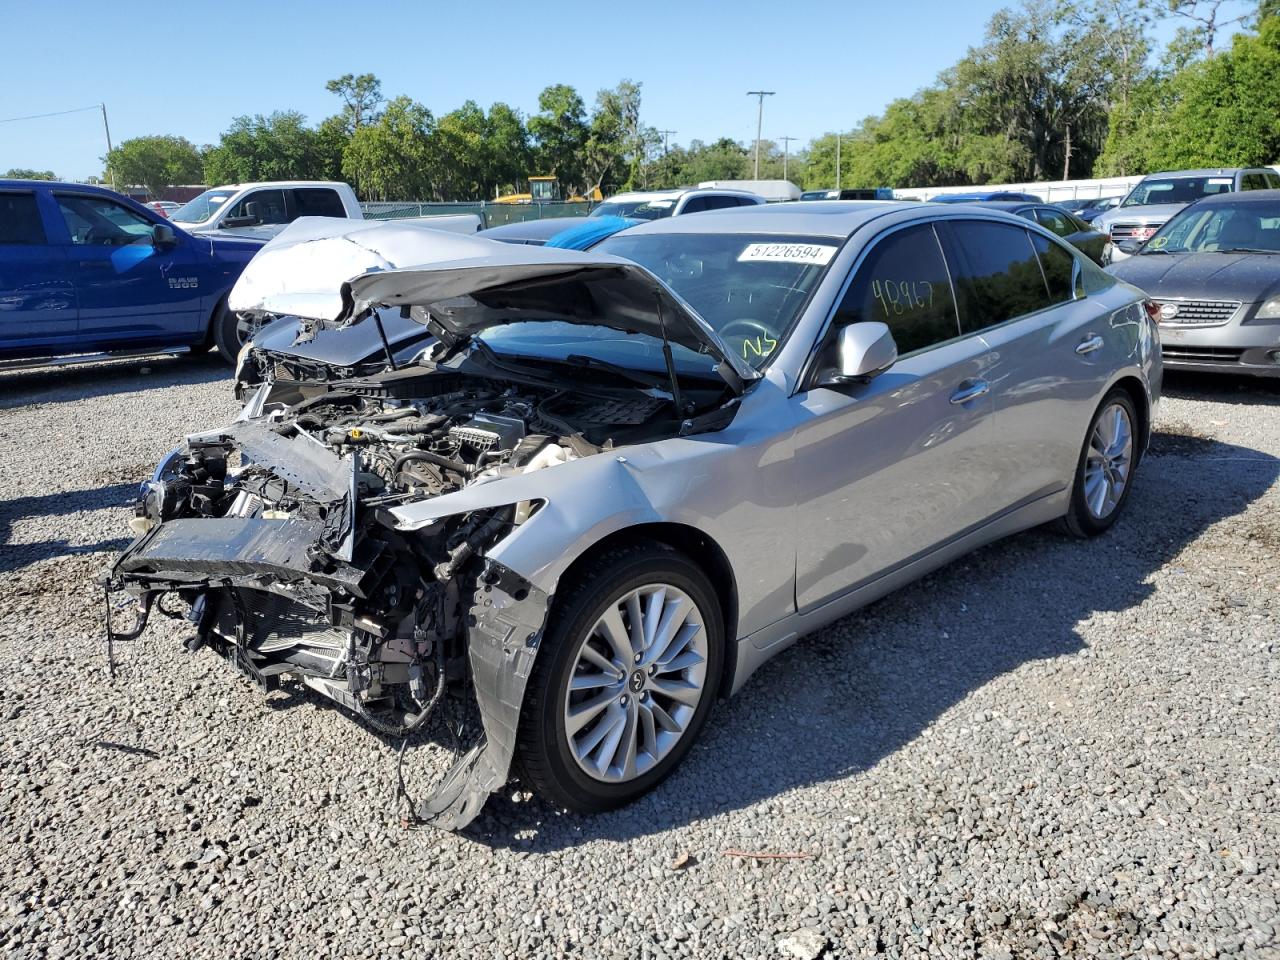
{"points": [[360, 97], [24, 173], [559, 130], [154, 162], [277, 147], [393, 158], [508, 156]]}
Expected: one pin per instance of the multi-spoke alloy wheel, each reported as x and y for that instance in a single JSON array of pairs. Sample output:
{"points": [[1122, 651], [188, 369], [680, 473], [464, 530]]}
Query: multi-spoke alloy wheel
{"points": [[1110, 457], [637, 682], [1104, 473], [624, 679]]}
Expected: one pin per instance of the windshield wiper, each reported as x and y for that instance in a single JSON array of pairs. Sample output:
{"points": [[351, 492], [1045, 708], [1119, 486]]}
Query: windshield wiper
{"points": [[1246, 250], [595, 363]]}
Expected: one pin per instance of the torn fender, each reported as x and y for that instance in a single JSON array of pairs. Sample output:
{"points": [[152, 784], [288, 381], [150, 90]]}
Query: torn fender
{"points": [[505, 627]]}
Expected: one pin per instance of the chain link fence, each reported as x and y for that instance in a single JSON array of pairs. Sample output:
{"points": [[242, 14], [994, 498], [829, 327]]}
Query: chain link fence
{"points": [[490, 214]]}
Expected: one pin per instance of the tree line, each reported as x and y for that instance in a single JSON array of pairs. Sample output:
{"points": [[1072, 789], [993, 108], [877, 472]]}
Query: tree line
{"points": [[1058, 89]]}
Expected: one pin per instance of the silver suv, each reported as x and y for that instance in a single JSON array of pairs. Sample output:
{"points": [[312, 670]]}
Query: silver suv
{"points": [[1157, 197]]}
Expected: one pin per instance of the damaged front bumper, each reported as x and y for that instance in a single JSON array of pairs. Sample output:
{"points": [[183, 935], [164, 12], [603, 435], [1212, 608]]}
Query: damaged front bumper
{"points": [[338, 598]]}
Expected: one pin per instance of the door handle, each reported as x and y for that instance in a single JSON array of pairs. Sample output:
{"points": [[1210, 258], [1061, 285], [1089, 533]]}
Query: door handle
{"points": [[1089, 344], [972, 391]]}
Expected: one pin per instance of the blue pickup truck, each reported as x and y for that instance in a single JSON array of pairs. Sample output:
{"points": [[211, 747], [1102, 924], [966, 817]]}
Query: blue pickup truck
{"points": [[86, 272]]}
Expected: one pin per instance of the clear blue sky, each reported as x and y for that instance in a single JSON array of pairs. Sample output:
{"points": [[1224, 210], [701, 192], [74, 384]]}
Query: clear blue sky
{"points": [[188, 68]]}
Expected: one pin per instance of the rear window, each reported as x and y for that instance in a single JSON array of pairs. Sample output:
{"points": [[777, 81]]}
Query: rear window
{"points": [[318, 202], [996, 272], [1058, 266], [20, 219]]}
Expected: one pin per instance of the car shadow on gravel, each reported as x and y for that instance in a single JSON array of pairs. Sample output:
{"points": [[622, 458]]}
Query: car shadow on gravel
{"points": [[14, 556], [850, 696], [109, 378]]}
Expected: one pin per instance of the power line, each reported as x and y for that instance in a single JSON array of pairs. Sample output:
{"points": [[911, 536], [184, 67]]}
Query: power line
{"points": [[58, 113]]}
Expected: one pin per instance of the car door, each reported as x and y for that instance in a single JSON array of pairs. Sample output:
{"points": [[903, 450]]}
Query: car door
{"points": [[37, 299], [1020, 291], [128, 289], [258, 208], [888, 469]]}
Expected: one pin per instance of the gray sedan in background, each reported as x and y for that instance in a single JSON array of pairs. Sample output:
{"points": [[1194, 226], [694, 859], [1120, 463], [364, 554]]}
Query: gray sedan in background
{"points": [[1092, 243], [627, 477], [1214, 272]]}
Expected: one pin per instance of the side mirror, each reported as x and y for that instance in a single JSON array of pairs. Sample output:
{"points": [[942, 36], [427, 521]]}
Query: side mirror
{"points": [[863, 350], [1130, 246], [163, 237]]}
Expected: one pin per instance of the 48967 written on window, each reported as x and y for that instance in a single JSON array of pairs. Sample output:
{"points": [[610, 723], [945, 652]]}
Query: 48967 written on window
{"points": [[903, 283]]}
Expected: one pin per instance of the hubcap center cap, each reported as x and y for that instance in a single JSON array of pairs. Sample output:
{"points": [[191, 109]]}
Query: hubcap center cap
{"points": [[636, 682]]}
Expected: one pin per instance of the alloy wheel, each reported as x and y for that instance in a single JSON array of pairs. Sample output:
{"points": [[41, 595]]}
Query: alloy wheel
{"points": [[1108, 461], [638, 678]]}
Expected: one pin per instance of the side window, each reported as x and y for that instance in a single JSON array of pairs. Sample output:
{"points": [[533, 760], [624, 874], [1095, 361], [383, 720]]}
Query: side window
{"points": [[318, 202], [20, 219], [1054, 221], [996, 273], [1273, 181], [721, 203], [903, 282], [1058, 266], [748, 202], [696, 205], [99, 222], [266, 206], [1253, 181]]}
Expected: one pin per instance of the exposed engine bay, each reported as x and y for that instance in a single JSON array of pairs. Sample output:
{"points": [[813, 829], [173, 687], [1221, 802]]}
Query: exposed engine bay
{"points": [[275, 536]]}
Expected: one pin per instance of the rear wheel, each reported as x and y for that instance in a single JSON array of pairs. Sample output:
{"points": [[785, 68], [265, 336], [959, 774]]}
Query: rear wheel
{"points": [[1105, 471], [624, 682]]}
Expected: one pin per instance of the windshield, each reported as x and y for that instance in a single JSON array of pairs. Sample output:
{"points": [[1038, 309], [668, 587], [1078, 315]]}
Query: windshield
{"points": [[635, 209], [203, 207], [1221, 228], [1176, 190], [750, 288]]}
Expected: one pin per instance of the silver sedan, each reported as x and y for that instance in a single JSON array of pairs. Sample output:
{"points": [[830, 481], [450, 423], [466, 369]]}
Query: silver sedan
{"points": [[623, 479]]}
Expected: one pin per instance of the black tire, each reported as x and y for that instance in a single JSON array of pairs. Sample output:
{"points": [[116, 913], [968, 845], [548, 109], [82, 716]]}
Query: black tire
{"points": [[1080, 521], [543, 756], [226, 337]]}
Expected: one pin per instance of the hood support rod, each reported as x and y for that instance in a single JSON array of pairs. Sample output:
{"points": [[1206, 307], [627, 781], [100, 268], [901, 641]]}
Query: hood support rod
{"points": [[671, 363]]}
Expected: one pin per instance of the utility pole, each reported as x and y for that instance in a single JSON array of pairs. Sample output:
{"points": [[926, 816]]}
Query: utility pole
{"points": [[837, 161], [666, 135], [761, 94], [107, 130], [786, 143]]}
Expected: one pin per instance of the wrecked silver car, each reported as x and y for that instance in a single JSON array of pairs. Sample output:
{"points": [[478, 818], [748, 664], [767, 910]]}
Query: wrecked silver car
{"points": [[622, 480]]}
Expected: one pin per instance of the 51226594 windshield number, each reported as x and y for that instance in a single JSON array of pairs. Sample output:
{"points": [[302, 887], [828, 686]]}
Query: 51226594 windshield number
{"points": [[902, 296]]}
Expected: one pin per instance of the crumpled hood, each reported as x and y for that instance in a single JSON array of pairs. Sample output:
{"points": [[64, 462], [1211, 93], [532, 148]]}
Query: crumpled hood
{"points": [[1203, 276], [301, 271], [460, 296]]}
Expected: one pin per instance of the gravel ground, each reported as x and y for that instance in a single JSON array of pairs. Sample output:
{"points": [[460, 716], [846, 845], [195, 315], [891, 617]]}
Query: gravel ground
{"points": [[1046, 749]]}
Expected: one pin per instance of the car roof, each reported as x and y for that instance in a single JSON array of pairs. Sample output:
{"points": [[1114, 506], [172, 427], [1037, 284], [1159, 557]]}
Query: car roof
{"points": [[278, 183], [59, 184], [813, 218], [675, 194], [1206, 172]]}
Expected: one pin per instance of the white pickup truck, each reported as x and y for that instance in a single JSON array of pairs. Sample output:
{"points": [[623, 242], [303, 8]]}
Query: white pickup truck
{"points": [[262, 210]]}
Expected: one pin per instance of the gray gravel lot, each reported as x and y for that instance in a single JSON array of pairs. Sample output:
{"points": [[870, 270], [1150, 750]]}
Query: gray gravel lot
{"points": [[1047, 749]]}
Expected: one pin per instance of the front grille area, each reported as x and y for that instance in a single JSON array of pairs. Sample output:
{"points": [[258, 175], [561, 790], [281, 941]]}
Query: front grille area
{"points": [[1133, 231], [1201, 354], [1199, 313]]}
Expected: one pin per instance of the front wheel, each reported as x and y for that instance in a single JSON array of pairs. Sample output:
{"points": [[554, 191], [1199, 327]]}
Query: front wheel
{"points": [[230, 333], [1104, 474], [624, 682]]}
